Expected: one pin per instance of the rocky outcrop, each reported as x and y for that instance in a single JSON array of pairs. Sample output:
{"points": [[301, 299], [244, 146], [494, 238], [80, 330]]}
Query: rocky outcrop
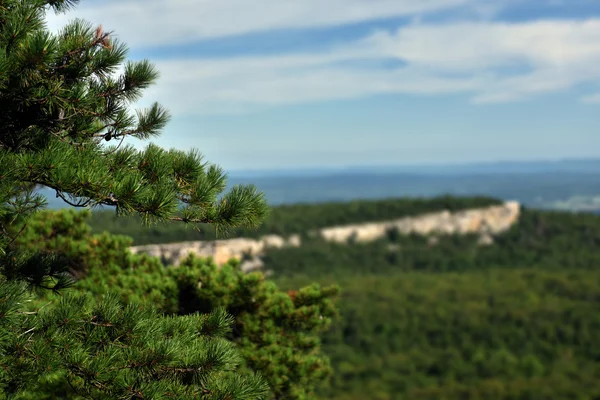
{"points": [[486, 222], [220, 250]]}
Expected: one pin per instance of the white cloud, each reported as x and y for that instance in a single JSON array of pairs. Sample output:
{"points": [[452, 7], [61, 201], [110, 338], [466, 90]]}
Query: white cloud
{"points": [[164, 22], [204, 89], [469, 46], [493, 62], [594, 98], [490, 61]]}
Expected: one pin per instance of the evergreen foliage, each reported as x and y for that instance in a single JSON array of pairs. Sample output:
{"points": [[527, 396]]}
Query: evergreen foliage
{"points": [[107, 350], [60, 101], [277, 333]]}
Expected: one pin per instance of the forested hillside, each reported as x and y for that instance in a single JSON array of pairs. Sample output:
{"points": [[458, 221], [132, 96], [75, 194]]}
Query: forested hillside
{"points": [[419, 318], [449, 318], [456, 320], [496, 334]]}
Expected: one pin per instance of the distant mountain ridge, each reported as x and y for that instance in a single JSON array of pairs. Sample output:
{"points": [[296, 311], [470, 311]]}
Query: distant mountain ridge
{"points": [[584, 165], [562, 184]]}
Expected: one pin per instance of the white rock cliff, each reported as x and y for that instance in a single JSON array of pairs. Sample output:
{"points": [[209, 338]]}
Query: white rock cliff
{"points": [[486, 222]]}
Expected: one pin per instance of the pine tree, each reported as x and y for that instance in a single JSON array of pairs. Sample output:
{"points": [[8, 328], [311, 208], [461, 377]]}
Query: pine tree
{"points": [[60, 106], [277, 332]]}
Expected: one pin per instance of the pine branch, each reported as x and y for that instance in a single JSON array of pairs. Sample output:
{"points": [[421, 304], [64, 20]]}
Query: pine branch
{"points": [[59, 99]]}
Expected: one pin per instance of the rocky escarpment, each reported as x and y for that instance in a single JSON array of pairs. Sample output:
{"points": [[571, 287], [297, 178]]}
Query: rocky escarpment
{"points": [[220, 250], [486, 222]]}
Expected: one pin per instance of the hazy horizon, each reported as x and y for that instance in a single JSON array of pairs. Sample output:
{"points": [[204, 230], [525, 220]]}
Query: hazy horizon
{"points": [[567, 184], [500, 166]]}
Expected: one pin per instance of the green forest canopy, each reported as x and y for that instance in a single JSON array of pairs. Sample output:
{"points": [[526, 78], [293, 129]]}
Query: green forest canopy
{"points": [[515, 320]]}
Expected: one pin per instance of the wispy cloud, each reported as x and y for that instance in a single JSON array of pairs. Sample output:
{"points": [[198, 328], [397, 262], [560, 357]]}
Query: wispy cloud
{"points": [[166, 22], [595, 98], [488, 60], [208, 86], [519, 59], [492, 62]]}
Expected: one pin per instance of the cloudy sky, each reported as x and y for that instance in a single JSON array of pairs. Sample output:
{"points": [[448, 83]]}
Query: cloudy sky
{"points": [[286, 84]]}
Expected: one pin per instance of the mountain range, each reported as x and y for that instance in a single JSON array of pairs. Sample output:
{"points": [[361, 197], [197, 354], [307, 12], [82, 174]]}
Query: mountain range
{"points": [[572, 184]]}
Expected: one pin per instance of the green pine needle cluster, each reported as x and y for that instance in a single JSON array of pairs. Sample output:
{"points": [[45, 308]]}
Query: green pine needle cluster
{"points": [[62, 99], [107, 350], [275, 332]]}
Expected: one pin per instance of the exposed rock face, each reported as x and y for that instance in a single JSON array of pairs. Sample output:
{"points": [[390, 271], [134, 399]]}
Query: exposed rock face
{"points": [[220, 250], [485, 222]]}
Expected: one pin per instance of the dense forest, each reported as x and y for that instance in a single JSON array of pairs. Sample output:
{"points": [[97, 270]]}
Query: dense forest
{"points": [[498, 334], [517, 319], [455, 320], [417, 319]]}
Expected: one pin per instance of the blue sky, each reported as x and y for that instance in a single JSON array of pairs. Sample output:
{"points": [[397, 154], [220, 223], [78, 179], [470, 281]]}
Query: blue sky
{"points": [[270, 84]]}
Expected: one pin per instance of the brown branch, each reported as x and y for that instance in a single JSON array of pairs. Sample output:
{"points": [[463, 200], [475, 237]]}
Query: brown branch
{"points": [[99, 324], [117, 148], [190, 220], [101, 38], [109, 201], [17, 235], [85, 204]]}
